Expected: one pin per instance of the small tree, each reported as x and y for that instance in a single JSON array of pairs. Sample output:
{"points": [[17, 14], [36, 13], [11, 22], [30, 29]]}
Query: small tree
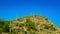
{"points": [[6, 28]]}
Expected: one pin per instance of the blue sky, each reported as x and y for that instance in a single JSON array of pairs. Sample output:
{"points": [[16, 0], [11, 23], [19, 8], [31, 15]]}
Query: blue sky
{"points": [[49, 9]]}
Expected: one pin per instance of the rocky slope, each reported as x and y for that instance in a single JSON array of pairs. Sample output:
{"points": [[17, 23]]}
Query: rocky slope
{"points": [[34, 25]]}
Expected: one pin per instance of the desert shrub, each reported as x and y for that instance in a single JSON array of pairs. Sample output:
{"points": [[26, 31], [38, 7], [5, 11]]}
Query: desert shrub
{"points": [[30, 24], [49, 26]]}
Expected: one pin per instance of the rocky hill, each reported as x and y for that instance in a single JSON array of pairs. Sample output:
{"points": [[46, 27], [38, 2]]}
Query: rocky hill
{"points": [[34, 25]]}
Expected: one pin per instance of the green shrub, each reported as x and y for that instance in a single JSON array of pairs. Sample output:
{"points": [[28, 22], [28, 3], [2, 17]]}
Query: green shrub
{"points": [[30, 24]]}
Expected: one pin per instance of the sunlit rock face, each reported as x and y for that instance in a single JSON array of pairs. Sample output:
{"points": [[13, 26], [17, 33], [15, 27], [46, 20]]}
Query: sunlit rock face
{"points": [[34, 25]]}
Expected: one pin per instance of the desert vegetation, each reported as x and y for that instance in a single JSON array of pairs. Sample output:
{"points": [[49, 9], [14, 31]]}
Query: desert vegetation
{"points": [[27, 26]]}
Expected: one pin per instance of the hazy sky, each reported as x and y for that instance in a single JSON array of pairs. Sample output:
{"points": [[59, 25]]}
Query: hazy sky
{"points": [[49, 9]]}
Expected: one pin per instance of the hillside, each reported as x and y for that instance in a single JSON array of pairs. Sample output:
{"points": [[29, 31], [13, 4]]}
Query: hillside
{"points": [[34, 25]]}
